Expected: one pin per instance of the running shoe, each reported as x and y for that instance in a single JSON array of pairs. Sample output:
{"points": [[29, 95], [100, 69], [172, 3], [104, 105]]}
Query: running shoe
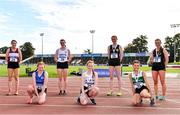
{"points": [[156, 97], [119, 93], [109, 93], [152, 102], [161, 98], [93, 101], [64, 92], [78, 100], [60, 92]]}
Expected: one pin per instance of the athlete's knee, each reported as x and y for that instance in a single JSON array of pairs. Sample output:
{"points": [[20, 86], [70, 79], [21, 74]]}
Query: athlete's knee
{"points": [[9, 78], [30, 89]]}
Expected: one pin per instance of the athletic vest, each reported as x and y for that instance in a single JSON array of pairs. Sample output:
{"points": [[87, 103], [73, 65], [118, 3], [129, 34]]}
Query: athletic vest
{"points": [[114, 52], [89, 80], [63, 55], [158, 56], [13, 56], [39, 79], [138, 81]]}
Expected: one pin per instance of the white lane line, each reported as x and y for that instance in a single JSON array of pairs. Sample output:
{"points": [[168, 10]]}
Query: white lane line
{"points": [[97, 106]]}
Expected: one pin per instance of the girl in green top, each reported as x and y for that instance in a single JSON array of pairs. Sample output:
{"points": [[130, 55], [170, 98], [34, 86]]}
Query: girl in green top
{"points": [[140, 85]]}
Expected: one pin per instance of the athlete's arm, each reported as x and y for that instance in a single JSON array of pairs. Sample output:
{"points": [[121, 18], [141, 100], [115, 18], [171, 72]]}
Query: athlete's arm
{"points": [[69, 56], [20, 55], [147, 82], [34, 84], [96, 79], [151, 57], [130, 78], [45, 82], [108, 51], [82, 83], [121, 53], [7, 54], [56, 56], [166, 57]]}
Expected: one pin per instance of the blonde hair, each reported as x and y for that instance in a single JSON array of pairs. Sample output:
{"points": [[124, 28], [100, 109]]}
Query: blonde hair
{"points": [[40, 63]]}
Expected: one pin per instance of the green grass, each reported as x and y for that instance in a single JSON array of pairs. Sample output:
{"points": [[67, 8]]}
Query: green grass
{"points": [[51, 69]]}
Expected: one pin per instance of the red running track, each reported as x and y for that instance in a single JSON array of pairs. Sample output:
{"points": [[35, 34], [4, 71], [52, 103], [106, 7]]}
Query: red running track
{"points": [[105, 105]]}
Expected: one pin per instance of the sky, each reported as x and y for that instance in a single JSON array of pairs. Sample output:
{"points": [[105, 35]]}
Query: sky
{"points": [[72, 20]]}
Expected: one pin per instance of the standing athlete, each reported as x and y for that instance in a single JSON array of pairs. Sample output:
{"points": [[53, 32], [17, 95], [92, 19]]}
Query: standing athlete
{"points": [[62, 58], [159, 59], [13, 57], [115, 55]]}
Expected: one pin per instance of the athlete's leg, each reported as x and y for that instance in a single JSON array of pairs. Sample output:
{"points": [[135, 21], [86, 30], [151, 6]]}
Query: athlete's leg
{"points": [[59, 71], [65, 74], [111, 73], [10, 74], [16, 77], [155, 79], [93, 92], [145, 93], [30, 92], [118, 73], [42, 98], [136, 99], [163, 81]]}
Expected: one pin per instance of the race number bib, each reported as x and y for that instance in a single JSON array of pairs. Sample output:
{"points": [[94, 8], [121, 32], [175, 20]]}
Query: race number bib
{"points": [[138, 85], [13, 59], [62, 57], [114, 55], [157, 59]]}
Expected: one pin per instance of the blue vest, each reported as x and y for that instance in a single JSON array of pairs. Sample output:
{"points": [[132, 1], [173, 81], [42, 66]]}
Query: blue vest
{"points": [[40, 79]]}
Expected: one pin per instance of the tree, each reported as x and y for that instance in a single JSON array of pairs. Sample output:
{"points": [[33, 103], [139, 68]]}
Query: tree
{"points": [[138, 45], [27, 50], [3, 49], [169, 45], [87, 51]]}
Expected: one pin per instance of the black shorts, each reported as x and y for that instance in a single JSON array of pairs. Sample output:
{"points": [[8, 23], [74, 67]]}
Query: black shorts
{"points": [[114, 62], [139, 90], [62, 65], [39, 90], [87, 91], [158, 67], [13, 65]]}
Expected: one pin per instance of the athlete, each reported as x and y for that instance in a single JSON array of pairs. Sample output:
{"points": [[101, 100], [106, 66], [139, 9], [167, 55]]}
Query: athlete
{"points": [[39, 87], [13, 58], [89, 89], [140, 85], [62, 58], [159, 59], [115, 55]]}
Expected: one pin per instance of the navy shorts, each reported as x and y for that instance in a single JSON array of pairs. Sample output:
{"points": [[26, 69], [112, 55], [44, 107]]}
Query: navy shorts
{"points": [[13, 65], [139, 90], [114, 62], [62, 65], [158, 67]]}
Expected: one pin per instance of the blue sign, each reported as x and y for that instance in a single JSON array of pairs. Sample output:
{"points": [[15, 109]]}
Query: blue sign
{"points": [[103, 72], [91, 55]]}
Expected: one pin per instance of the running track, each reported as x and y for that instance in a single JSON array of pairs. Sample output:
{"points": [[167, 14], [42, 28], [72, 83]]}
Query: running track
{"points": [[105, 105]]}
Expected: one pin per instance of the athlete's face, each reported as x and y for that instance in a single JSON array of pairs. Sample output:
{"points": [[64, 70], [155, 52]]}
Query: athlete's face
{"points": [[62, 43], [158, 43], [13, 44], [114, 39], [136, 66], [90, 65], [40, 67]]}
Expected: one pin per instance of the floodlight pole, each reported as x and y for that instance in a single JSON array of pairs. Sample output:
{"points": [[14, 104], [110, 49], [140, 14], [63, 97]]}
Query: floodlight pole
{"points": [[92, 32], [42, 34]]}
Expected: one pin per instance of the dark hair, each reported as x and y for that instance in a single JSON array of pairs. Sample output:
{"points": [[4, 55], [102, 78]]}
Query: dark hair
{"points": [[135, 61], [13, 41], [62, 40], [157, 40]]}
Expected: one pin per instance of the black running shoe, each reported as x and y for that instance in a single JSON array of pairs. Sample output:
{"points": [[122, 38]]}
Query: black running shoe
{"points": [[152, 102], [64, 92], [93, 101], [78, 100], [60, 92]]}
